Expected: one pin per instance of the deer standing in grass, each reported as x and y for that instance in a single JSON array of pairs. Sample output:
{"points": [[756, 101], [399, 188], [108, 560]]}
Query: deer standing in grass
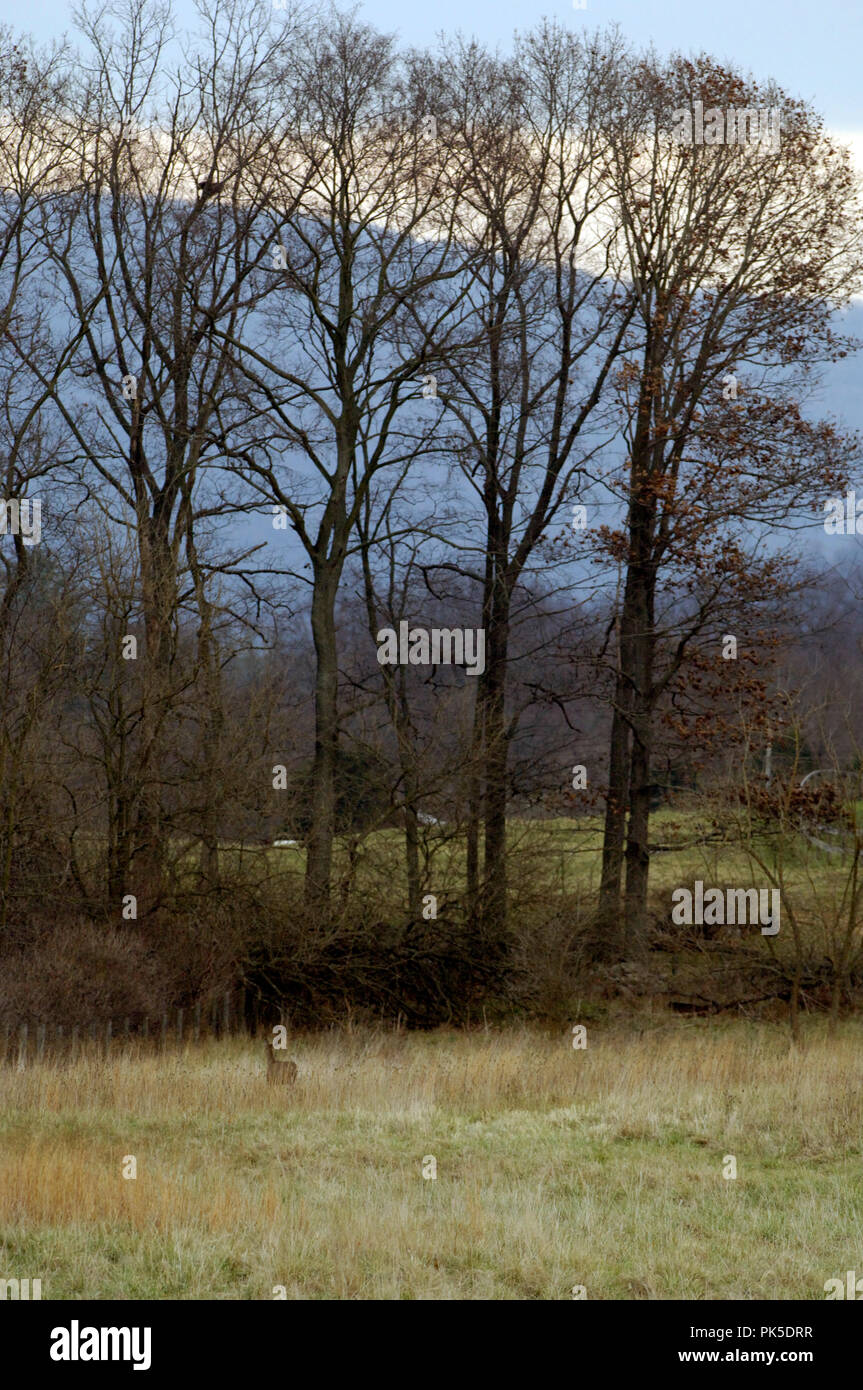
{"points": [[281, 1070]]}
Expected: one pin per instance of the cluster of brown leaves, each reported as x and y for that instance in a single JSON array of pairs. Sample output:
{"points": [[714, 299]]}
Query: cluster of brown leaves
{"points": [[825, 803]]}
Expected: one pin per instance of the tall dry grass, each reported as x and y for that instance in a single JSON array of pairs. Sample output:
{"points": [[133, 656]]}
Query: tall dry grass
{"points": [[555, 1167]]}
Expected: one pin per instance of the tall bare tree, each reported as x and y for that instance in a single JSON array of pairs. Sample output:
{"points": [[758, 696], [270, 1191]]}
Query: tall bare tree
{"points": [[169, 173], [368, 250], [530, 151]]}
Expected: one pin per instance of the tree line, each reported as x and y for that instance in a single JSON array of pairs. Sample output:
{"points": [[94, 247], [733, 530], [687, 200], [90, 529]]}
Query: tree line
{"points": [[306, 336]]}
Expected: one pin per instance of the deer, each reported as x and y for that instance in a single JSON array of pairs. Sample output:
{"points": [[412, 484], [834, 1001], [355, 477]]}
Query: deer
{"points": [[281, 1070]]}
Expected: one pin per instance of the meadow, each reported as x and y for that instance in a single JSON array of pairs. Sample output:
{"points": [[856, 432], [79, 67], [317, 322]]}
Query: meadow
{"points": [[562, 857], [556, 1168]]}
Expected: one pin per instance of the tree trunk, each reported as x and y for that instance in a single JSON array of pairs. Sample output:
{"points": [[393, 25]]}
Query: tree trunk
{"points": [[210, 723], [159, 590], [395, 685], [319, 856], [629, 760], [637, 848], [494, 900], [609, 943], [637, 644], [474, 804]]}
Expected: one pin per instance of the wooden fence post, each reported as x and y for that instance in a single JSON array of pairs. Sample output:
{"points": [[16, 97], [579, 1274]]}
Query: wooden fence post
{"points": [[22, 1047]]}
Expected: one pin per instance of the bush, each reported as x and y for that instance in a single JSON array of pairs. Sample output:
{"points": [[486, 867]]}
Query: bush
{"points": [[80, 974]]}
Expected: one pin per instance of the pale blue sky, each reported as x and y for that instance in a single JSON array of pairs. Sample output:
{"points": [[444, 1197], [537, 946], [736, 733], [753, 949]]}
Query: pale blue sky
{"points": [[812, 47]]}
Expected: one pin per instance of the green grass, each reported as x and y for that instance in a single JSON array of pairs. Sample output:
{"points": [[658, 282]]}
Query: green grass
{"points": [[564, 855], [555, 1168]]}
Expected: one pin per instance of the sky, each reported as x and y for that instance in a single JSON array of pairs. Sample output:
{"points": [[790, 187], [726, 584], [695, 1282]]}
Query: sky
{"points": [[811, 47]]}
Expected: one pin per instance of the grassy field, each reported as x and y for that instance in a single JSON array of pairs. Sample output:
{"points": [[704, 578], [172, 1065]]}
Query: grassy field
{"points": [[561, 859], [556, 1167]]}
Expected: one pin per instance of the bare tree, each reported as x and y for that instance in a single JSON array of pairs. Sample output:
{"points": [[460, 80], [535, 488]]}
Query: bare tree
{"points": [[368, 251], [551, 317], [169, 173]]}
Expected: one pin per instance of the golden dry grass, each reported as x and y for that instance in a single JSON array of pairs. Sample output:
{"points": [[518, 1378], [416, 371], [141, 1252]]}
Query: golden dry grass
{"points": [[555, 1167]]}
